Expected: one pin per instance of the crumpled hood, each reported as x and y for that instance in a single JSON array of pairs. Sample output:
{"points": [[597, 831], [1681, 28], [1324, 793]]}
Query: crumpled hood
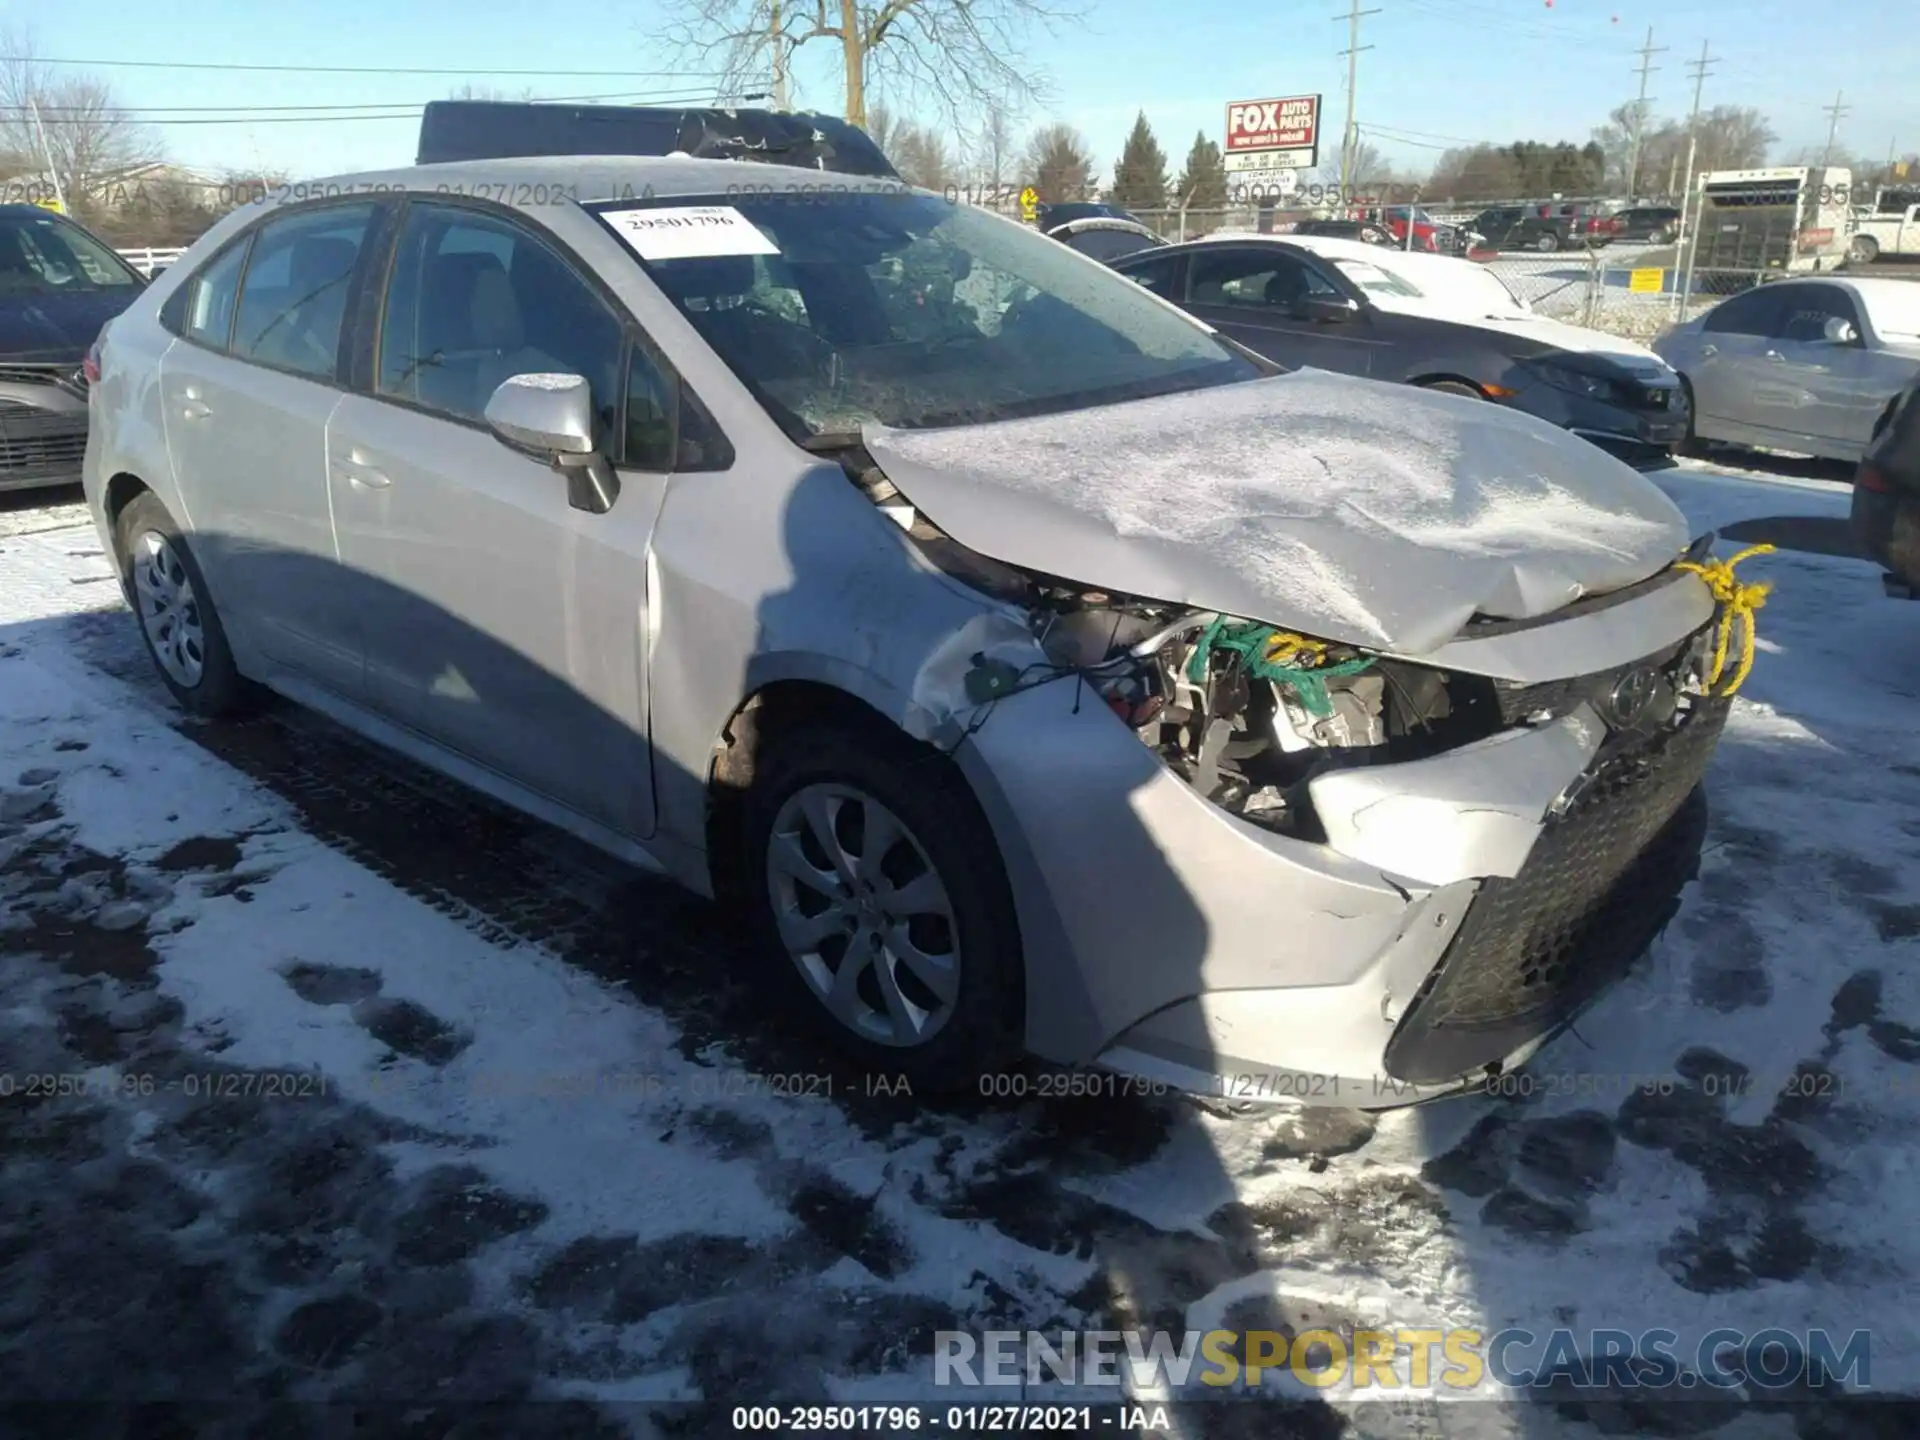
{"points": [[1378, 515]]}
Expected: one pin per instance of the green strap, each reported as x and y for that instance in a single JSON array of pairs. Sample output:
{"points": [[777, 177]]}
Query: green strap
{"points": [[1249, 640]]}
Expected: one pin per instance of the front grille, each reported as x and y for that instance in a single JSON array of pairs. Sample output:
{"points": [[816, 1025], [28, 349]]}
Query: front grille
{"points": [[1602, 880], [41, 441]]}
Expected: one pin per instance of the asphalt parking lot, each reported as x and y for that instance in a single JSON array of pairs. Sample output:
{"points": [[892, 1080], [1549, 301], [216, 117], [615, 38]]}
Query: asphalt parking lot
{"points": [[332, 1081]]}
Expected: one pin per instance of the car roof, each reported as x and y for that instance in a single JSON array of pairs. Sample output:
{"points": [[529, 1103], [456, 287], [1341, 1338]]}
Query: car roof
{"points": [[591, 178]]}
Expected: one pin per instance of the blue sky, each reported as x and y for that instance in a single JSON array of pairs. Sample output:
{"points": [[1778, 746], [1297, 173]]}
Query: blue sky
{"points": [[1439, 70]]}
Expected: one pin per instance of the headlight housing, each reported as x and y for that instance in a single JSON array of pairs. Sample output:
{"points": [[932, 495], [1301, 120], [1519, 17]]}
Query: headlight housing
{"points": [[1577, 382]]}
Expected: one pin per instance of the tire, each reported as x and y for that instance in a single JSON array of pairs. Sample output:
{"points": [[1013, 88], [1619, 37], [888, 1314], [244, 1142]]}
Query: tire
{"points": [[1863, 250], [1547, 243], [1453, 387], [1662, 236], [171, 605], [1689, 445], [839, 778]]}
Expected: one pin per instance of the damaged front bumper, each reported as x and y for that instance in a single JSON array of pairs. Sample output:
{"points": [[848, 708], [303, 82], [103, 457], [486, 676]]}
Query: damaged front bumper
{"points": [[1452, 914]]}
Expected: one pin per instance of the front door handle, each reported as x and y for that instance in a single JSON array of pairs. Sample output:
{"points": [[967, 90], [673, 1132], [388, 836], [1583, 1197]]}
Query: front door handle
{"points": [[1709, 351], [1777, 356], [361, 473], [191, 409]]}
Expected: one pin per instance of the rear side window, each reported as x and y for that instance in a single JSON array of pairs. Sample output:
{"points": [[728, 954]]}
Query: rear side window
{"points": [[1809, 307], [206, 314], [294, 296]]}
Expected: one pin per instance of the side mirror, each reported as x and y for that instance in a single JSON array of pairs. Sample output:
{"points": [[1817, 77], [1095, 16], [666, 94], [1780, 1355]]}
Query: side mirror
{"points": [[1839, 331], [1327, 310], [550, 417]]}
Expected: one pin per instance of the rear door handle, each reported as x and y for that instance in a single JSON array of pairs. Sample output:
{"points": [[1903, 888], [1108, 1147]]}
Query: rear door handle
{"points": [[1709, 351], [1776, 355], [361, 473], [191, 409]]}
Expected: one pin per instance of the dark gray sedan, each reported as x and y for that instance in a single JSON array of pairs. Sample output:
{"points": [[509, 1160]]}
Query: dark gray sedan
{"points": [[1434, 321]]}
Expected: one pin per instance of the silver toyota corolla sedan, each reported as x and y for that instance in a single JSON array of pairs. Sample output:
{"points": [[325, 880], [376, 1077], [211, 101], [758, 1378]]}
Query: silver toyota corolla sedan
{"points": [[1031, 669], [1808, 365]]}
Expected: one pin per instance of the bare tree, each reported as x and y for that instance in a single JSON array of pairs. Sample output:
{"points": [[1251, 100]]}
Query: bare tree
{"points": [[959, 54], [1058, 163], [883, 128], [68, 126], [923, 157], [992, 147]]}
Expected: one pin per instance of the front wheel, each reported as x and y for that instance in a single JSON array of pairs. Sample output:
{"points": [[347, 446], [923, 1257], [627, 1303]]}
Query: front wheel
{"points": [[877, 895], [1547, 243], [169, 596], [1454, 387]]}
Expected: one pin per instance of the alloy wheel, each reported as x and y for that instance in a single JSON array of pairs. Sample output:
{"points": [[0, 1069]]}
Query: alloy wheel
{"points": [[169, 609], [863, 914]]}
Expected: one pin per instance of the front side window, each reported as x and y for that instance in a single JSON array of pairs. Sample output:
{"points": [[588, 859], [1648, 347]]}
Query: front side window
{"points": [[1753, 313], [906, 310], [210, 296], [1256, 280], [294, 297], [41, 254], [474, 300]]}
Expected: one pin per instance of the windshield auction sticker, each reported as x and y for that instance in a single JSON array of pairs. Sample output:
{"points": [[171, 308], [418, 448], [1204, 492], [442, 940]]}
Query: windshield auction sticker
{"points": [[688, 232]]}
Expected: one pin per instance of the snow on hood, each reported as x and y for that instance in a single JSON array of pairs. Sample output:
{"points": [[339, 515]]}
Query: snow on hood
{"points": [[1378, 515]]}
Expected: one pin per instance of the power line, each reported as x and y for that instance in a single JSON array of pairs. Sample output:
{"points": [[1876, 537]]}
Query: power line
{"points": [[467, 70], [1350, 141], [135, 111], [1836, 111], [1647, 67]]}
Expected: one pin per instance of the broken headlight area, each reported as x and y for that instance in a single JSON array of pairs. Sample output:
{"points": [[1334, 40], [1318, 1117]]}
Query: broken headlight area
{"points": [[1247, 713]]}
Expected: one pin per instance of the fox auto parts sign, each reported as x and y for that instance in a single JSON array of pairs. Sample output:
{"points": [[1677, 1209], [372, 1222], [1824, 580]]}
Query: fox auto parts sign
{"points": [[1273, 134]]}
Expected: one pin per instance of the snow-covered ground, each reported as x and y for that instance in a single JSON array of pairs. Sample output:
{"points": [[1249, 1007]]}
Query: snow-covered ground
{"points": [[362, 1088]]}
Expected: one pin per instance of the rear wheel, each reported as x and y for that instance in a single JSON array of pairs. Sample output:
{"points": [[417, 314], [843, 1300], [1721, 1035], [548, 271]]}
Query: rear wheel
{"points": [[1863, 250], [1453, 387], [169, 595], [1688, 444], [1547, 243], [877, 895]]}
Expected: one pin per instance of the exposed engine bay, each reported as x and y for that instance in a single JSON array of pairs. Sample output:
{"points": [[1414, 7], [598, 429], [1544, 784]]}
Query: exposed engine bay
{"points": [[1248, 714]]}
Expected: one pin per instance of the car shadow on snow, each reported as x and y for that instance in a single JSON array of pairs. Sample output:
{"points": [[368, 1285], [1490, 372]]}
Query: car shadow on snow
{"points": [[257, 1258]]}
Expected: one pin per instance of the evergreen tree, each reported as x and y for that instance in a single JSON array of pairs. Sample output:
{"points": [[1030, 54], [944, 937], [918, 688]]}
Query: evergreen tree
{"points": [[1203, 180], [1140, 179]]}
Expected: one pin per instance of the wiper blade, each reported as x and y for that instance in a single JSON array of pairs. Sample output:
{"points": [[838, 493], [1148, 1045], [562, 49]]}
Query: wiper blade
{"points": [[829, 441]]}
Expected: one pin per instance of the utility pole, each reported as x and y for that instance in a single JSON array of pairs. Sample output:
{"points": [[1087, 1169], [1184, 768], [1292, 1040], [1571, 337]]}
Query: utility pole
{"points": [[1647, 67], [1350, 141], [776, 37], [1683, 255], [1835, 111], [46, 154]]}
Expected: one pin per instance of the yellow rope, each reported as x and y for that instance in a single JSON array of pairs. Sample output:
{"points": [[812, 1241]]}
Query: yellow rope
{"points": [[1297, 651], [1737, 603]]}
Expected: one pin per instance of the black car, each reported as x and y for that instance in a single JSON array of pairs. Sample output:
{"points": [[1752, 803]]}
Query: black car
{"points": [[1340, 305], [59, 284], [1557, 225], [1656, 224], [1886, 496], [1103, 238], [1053, 214], [453, 130]]}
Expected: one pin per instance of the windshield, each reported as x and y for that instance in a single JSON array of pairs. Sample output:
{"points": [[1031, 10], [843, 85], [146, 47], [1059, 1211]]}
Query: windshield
{"points": [[44, 255], [1894, 309], [907, 310], [1372, 278]]}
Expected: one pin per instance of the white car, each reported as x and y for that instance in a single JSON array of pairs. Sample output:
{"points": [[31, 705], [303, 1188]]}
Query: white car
{"points": [[1031, 669]]}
